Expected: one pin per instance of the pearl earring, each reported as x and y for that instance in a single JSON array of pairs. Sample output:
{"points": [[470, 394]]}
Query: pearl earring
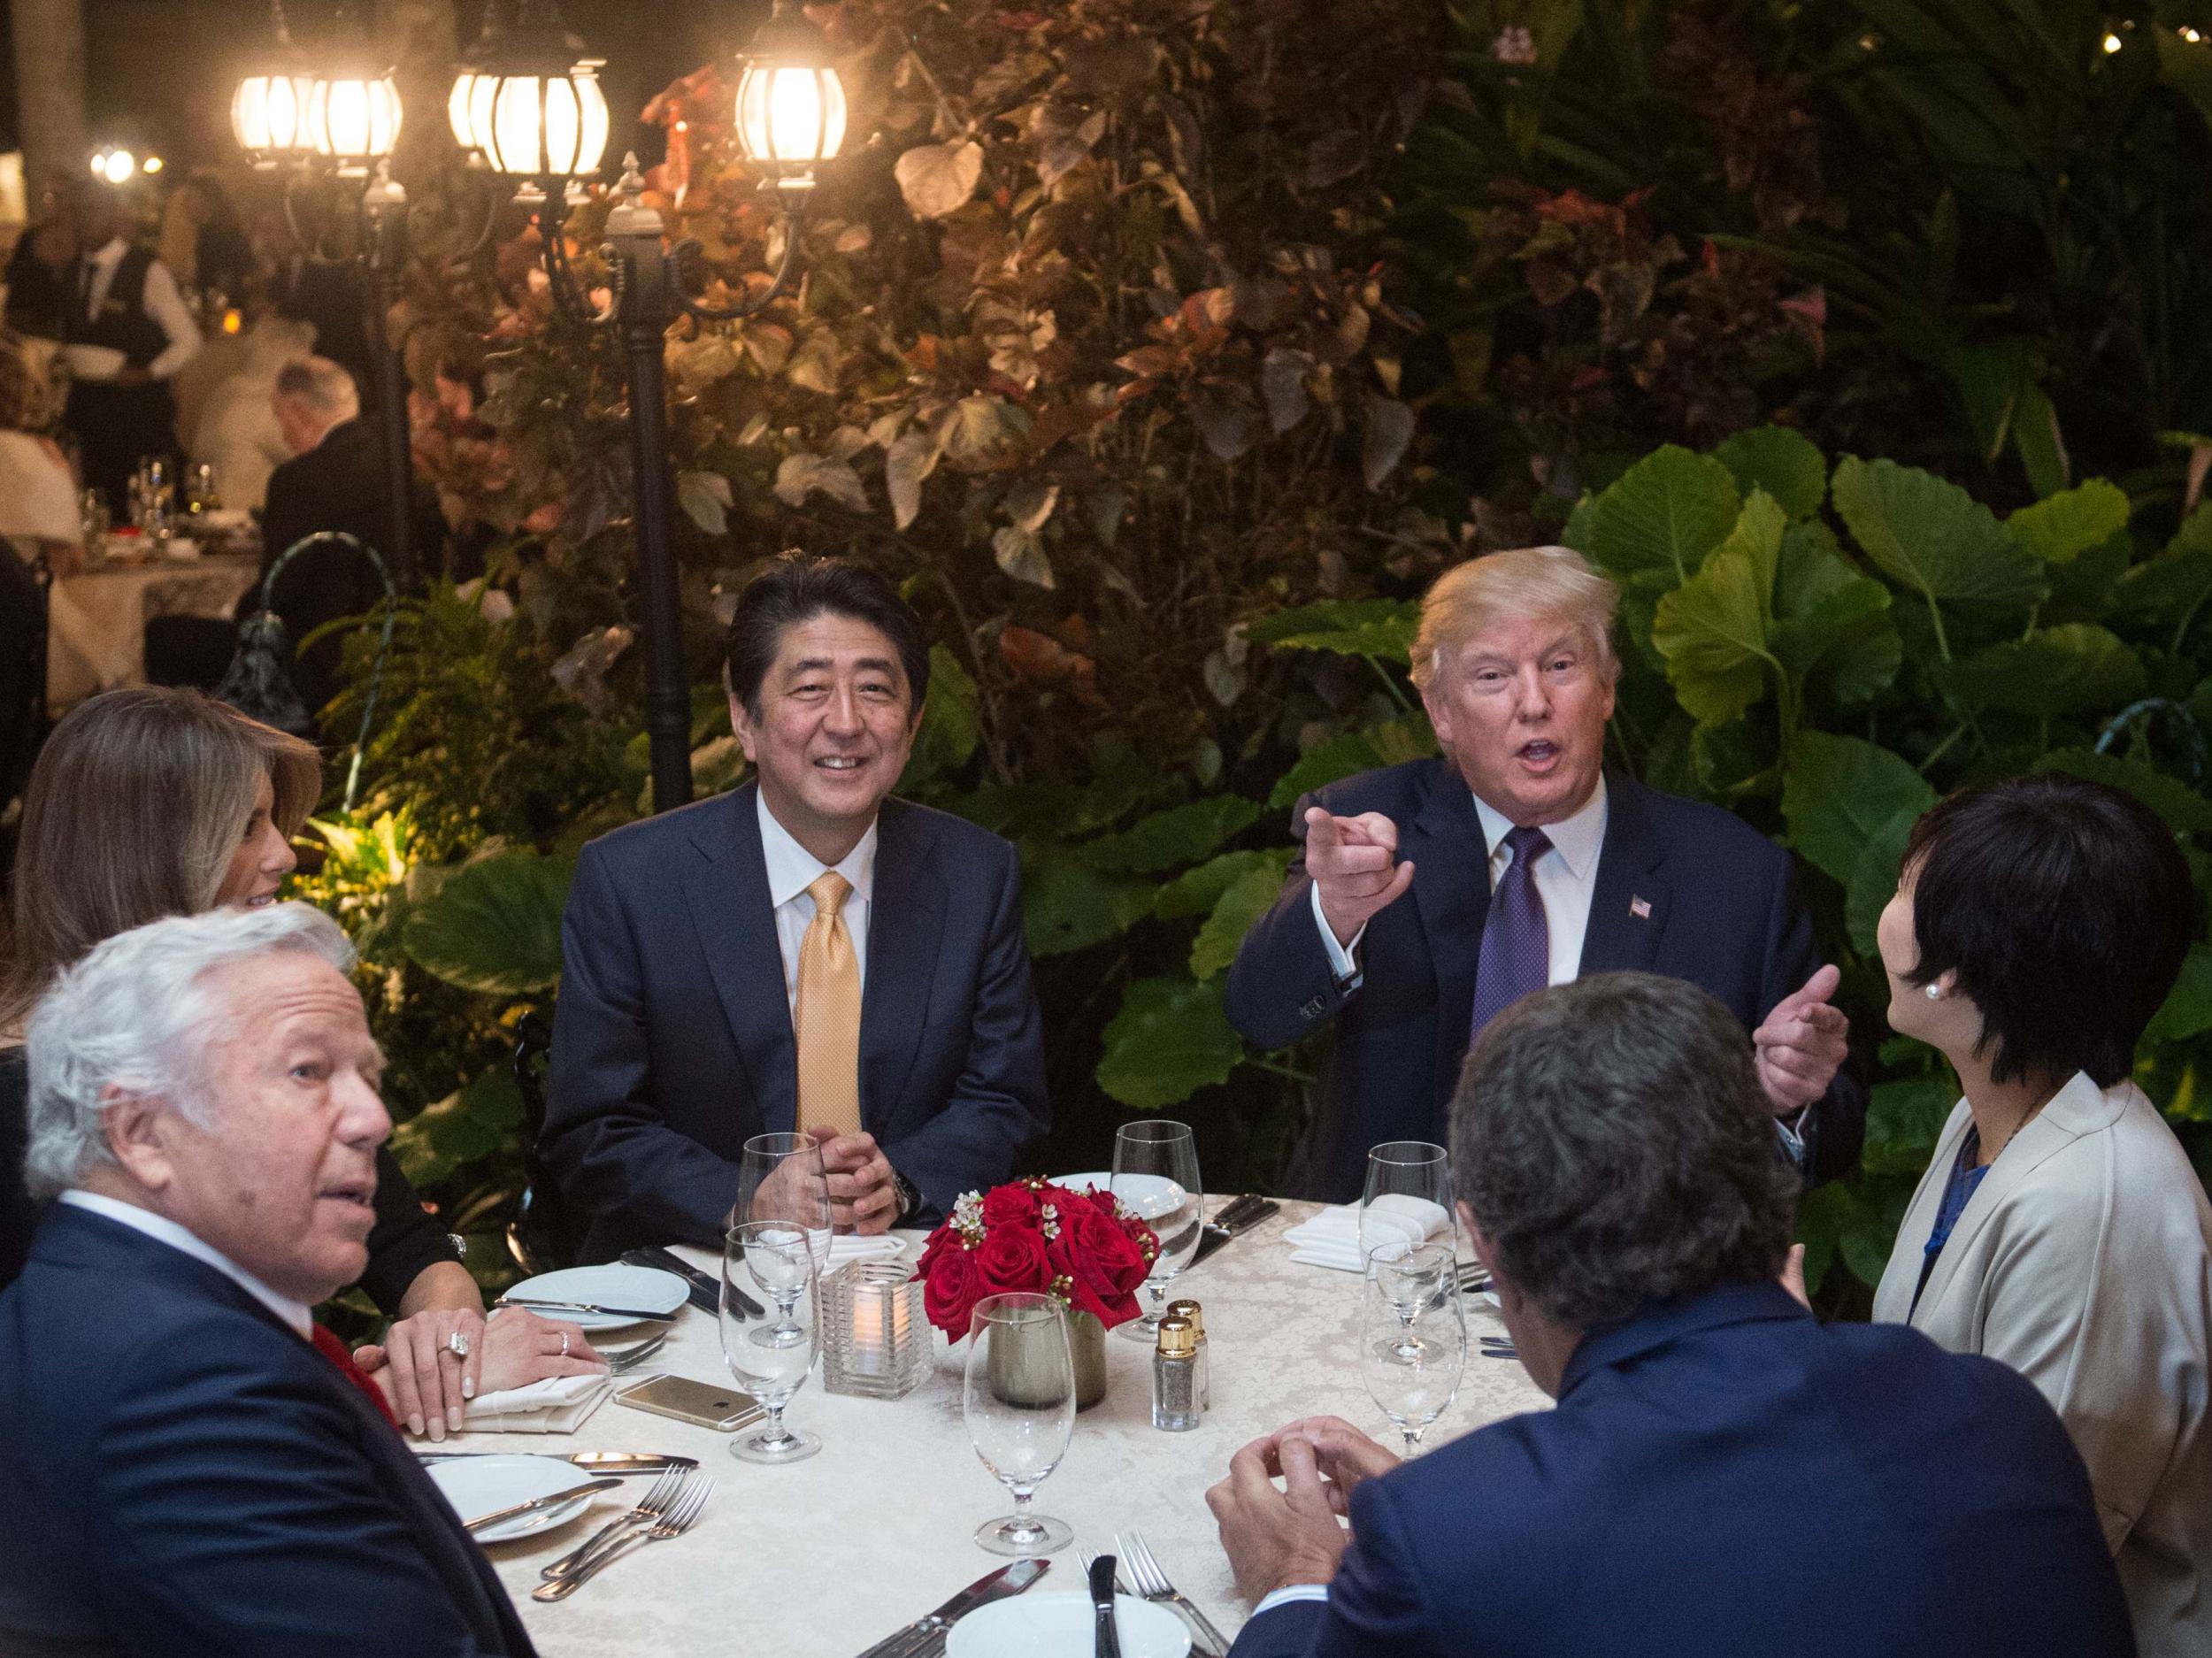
{"points": [[1934, 993]]}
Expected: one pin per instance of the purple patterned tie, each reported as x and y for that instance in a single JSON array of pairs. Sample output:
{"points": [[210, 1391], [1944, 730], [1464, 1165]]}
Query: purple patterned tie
{"points": [[1516, 956]]}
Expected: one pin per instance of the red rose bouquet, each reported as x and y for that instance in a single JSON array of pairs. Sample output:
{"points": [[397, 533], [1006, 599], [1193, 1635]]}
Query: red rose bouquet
{"points": [[1082, 1247]]}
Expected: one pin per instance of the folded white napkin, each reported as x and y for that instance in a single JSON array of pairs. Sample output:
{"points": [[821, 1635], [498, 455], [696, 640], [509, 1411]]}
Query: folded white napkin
{"points": [[558, 1404], [1332, 1238]]}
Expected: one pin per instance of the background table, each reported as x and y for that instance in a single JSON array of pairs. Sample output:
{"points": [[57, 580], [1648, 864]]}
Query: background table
{"points": [[97, 638], [821, 1558]]}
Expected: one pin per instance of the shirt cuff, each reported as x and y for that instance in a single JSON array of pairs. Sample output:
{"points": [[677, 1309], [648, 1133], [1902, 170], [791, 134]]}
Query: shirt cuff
{"points": [[1341, 961], [1293, 1592], [1792, 1132]]}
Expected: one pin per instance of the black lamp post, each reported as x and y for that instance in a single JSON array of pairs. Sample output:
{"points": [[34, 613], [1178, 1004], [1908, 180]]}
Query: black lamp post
{"points": [[790, 116]]}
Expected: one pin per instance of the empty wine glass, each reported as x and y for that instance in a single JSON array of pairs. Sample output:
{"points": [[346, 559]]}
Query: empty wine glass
{"points": [[782, 1177], [1416, 1384], [1155, 1176], [1405, 1277], [769, 1361], [1019, 1402], [1407, 1197]]}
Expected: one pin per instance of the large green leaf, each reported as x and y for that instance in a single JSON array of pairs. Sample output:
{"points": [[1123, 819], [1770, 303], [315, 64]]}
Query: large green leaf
{"points": [[1391, 743], [1873, 881], [1067, 905], [1834, 1222], [950, 728], [1828, 615], [1784, 463], [1838, 792], [1712, 630], [2174, 585], [1350, 627], [2067, 523], [1251, 897], [1169, 1040], [1181, 835], [2187, 1009], [494, 925], [1931, 536], [1195, 892], [2075, 668], [471, 1123], [2185, 811], [1665, 513]]}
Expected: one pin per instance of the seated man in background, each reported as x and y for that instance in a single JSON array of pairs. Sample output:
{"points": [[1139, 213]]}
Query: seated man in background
{"points": [[184, 1469], [1723, 1475], [1428, 896], [804, 954]]}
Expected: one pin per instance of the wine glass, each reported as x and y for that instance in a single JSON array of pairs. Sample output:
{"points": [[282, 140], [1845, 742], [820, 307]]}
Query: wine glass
{"points": [[1407, 1197], [1405, 1277], [1415, 1382], [782, 1177], [1145, 1154], [1019, 1402], [769, 1361]]}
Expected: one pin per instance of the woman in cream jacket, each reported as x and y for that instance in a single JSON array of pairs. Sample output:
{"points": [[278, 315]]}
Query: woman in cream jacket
{"points": [[2037, 925]]}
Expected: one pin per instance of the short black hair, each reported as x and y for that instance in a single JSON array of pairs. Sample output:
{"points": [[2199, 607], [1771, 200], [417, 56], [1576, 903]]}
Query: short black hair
{"points": [[1610, 1138], [2065, 907], [799, 586]]}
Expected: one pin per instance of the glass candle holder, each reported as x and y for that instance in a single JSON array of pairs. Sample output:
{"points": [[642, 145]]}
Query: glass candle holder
{"points": [[875, 1341]]}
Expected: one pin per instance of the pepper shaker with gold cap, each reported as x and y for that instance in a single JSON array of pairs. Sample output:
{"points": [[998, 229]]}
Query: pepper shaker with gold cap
{"points": [[1191, 1310]]}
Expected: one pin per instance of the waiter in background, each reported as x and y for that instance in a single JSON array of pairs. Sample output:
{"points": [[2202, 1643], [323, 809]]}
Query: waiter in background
{"points": [[128, 302]]}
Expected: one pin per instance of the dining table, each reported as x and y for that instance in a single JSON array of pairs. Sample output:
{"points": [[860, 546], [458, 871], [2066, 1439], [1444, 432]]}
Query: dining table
{"points": [[97, 616], [824, 1557]]}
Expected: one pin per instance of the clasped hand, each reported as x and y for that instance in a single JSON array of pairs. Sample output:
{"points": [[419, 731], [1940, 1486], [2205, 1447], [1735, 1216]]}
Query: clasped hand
{"points": [[1278, 1539], [863, 1196]]}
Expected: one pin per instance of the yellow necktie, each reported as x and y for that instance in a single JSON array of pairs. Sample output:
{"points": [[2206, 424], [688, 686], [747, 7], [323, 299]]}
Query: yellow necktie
{"points": [[828, 1014]]}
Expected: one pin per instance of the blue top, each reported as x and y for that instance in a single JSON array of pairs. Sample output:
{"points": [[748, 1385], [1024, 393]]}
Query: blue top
{"points": [[1966, 1175]]}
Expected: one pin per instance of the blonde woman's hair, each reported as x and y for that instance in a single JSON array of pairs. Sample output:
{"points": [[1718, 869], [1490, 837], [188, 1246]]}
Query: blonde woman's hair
{"points": [[133, 811], [1521, 584]]}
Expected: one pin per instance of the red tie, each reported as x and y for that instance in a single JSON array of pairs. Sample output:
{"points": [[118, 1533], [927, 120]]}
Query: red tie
{"points": [[336, 1352]]}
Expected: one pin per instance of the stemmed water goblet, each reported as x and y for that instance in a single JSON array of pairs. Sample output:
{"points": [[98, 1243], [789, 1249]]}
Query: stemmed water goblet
{"points": [[1415, 1177], [781, 1179], [769, 1361], [1019, 1399], [1413, 1336], [1145, 1156]]}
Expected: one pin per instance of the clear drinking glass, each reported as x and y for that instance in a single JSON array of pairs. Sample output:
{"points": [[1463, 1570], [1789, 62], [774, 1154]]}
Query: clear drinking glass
{"points": [[1155, 1175], [1407, 1197], [771, 1362], [782, 1177], [1019, 1402], [199, 488], [1412, 1364]]}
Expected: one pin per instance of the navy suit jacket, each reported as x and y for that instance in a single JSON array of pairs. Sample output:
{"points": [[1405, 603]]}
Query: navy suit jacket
{"points": [[1722, 912], [1726, 1477], [183, 1475], [673, 1043]]}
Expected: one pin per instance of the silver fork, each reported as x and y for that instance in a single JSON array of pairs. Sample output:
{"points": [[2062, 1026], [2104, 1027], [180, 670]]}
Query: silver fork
{"points": [[630, 1358], [675, 1522], [1152, 1584], [649, 1507]]}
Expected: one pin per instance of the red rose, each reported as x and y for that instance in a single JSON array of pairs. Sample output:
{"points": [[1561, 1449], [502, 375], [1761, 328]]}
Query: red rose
{"points": [[1104, 1264], [950, 1288], [1014, 1205], [1011, 1258]]}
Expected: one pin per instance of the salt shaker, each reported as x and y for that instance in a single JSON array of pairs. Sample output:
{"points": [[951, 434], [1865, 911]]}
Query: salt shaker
{"points": [[1191, 1310], [1175, 1376]]}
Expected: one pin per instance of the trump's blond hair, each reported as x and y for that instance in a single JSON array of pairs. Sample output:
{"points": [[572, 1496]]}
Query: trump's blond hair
{"points": [[1520, 583]]}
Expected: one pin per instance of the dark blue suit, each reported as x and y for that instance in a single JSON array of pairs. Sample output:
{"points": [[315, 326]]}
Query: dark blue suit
{"points": [[1724, 1477], [1684, 889], [673, 1044], [183, 1475]]}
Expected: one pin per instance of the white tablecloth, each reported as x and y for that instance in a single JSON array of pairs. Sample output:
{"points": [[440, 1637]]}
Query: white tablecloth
{"points": [[97, 637], [821, 1558]]}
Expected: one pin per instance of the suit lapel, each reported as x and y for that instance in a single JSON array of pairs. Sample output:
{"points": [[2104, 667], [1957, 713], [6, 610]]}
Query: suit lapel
{"points": [[1451, 888], [906, 919], [1628, 905], [727, 889]]}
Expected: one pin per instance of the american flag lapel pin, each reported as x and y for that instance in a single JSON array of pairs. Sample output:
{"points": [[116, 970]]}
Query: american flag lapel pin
{"points": [[1640, 908]]}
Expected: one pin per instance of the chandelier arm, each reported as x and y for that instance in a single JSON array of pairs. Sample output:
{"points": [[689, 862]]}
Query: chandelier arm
{"points": [[558, 272], [687, 252]]}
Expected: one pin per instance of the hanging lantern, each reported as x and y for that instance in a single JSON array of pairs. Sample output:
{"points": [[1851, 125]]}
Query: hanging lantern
{"points": [[268, 112], [530, 104], [791, 103], [353, 118]]}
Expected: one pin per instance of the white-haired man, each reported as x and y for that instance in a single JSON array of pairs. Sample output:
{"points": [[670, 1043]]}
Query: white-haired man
{"points": [[184, 1471], [1529, 865]]}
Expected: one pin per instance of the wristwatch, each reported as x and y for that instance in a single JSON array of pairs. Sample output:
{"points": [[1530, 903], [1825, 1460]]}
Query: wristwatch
{"points": [[910, 1196]]}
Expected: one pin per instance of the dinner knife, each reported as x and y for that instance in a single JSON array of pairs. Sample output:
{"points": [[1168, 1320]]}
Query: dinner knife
{"points": [[1105, 1640], [636, 1314], [1217, 1235], [706, 1292], [991, 1586], [536, 1503], [614, 1463]]}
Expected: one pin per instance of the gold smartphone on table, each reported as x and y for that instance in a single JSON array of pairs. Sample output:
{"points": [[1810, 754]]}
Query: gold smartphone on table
{"points": [[723, 1409]]}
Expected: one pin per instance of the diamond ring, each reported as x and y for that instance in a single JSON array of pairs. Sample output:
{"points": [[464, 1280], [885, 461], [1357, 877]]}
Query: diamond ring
{"points": [[457, 1345]]}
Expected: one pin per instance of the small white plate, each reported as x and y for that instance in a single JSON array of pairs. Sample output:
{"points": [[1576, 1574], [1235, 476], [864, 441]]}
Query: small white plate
{"points": [[1057, 1623], [613, 1285], [485, 1484], [1151, 1195]]}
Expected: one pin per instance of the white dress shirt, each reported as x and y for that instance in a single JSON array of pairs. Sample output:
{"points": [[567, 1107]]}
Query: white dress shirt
{"points": [[162, 301], [163, 1230], [792, 869], [1566, 880]]}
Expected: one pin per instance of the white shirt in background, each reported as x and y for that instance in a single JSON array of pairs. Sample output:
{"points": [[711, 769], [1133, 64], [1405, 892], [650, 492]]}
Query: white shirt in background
{"points": [[164, 304]]}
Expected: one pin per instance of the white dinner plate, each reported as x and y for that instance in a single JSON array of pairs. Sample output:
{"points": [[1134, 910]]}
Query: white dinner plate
{"points": [[613, 1285], [1057, 1624], [485, 1484], [1151, 1195]]}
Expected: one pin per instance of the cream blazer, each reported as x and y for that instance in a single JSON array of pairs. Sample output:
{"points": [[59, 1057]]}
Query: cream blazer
{"points": [[2084, 1261]]}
